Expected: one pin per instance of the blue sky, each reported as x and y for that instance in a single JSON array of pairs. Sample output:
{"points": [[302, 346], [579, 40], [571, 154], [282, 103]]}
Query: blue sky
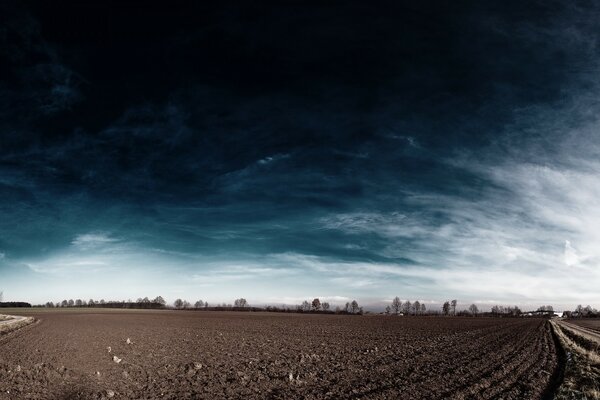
{"points": [[291, 151]]}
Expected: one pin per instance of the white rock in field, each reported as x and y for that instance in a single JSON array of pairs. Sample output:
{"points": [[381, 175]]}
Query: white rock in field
{"points": [[18, 368], [116, 359], [128, 341], [109, 349], [110, 393], [291, 377], [197, 365]]}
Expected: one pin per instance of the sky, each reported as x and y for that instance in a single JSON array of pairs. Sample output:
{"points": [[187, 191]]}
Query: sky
{"points": [[281, 151]]}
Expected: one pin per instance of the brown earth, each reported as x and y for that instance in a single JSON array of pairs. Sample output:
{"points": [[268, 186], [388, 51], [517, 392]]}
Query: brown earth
{"points": [[218, 355]]}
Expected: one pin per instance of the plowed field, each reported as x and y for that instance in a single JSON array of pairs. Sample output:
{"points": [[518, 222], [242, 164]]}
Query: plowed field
{"points": [[212, 355]]}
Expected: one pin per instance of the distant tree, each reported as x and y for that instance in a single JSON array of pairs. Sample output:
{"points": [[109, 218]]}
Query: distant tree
{"points": [[199, 304], [49, 304], [550, 309], [514, 311], [354, 306], [64, 303], [78, 303], [417, 307], [139, 300], [102, 302], [159, 300], [347, 307], [423, 309], [91, 302], [178, 303], [305, 306], [473, 309], [241, 302], [453, 304], [388, 309], [396, 305], [316, 304], [325, 306], [186, 304], [446, 308], [71, 303], [406, 307]]}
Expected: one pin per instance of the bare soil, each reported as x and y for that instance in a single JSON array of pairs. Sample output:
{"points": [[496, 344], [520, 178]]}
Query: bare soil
{"points": [[219, 355]]}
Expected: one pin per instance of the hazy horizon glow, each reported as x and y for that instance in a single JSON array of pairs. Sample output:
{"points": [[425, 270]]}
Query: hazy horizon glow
{"points": [[377, 156]]}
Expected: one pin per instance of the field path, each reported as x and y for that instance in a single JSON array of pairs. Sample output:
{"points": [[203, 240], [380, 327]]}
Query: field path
{"points": [[587, 333]]}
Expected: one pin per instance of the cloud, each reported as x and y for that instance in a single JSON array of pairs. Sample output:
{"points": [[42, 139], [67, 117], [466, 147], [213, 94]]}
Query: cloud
{"points": [[571, 257], [89, 241]]}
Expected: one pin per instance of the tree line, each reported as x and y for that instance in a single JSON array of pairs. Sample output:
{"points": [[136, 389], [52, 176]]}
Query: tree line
{"points": [[15, 304], [582, 312], [396, 307], [316, 306], [141, 303], [450, 308]]}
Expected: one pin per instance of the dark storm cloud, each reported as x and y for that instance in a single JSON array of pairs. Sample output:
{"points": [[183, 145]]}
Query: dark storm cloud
{"points": [[341, 130]]}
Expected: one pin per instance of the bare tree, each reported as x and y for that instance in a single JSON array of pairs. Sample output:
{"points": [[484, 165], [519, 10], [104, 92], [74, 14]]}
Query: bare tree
{"points": [[159, 300], [347, 307], [388, 310], [178, 303], [78, 303], [417, 307], [453, 304], [305, 306], [354, 306], [71, 303], [186, 304], [199, 304], [406, 307], [316, 304], [473, 309], [396, 305], [446, 308], [423, 309], [325, 306]]}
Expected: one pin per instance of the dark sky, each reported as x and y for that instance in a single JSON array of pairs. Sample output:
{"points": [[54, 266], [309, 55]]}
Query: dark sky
{"points": [[283, 150]]}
